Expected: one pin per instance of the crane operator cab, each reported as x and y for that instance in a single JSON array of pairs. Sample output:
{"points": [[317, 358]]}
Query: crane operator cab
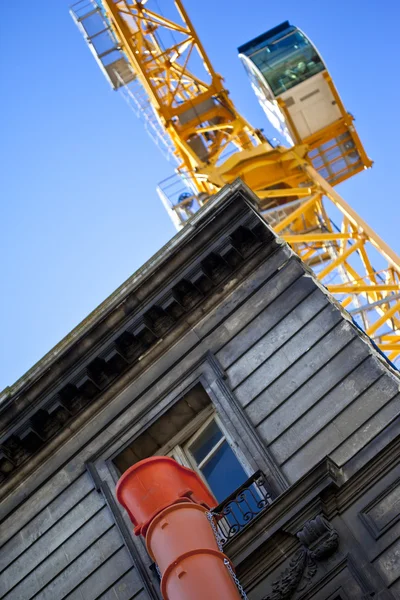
{"points": [[298, 96]]}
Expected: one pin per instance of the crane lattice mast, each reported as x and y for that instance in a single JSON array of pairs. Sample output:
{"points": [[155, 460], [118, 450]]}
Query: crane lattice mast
{"points": [[159, 63]]}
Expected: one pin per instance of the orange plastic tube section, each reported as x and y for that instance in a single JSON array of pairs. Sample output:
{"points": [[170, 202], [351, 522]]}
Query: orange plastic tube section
{"points": [[168, 505], [155, 483]]}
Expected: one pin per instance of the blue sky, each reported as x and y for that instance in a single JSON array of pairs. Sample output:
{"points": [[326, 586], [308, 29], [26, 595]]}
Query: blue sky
{"points": [[79, 210]]}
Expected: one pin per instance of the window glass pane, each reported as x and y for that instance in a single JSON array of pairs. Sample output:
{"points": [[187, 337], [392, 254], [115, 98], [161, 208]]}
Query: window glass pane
{"points": [[223, 472], [206, 442], [287, 61]]}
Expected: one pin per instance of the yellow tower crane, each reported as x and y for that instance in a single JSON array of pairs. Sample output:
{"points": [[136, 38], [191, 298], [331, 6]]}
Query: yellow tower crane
{"points": [[160, 65]]}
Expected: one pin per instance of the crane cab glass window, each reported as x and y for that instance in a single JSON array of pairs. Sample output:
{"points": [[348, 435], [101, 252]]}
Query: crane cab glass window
{"points": [[284, 56]]}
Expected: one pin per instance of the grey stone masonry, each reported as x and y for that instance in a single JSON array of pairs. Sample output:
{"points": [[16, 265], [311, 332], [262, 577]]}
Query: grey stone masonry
{"points": [[226, 308]]}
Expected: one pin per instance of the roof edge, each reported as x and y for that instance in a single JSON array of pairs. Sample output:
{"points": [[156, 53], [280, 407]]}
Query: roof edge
{"points": [[130, 284]]}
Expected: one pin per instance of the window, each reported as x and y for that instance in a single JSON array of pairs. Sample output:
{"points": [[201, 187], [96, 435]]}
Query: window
{"points": [[161, 435], [196, 436], [193, 434], [287, 61], [210, 454]]}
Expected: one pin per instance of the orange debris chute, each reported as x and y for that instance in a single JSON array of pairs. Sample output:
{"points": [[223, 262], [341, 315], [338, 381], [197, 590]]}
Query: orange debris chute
{"points": [[168, 505]]}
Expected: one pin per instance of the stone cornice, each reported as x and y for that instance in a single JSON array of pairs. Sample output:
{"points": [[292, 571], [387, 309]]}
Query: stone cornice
{"points": [[140, 321], [122, 292]]}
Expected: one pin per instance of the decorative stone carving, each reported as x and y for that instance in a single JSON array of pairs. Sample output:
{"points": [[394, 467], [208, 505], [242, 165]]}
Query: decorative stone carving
{"points": [[319, 541]]}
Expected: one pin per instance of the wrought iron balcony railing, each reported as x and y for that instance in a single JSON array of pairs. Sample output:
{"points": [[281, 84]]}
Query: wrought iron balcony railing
{"points": [[242, 506]]}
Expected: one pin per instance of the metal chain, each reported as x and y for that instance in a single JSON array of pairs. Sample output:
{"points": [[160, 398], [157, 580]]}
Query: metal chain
{"points": [[210, 517], [235, 579], [211, 520]]}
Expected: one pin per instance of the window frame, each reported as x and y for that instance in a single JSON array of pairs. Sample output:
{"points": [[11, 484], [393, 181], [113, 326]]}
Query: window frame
{"points": [[178, 447], [249, 448], [189, 430], [189, 442]]}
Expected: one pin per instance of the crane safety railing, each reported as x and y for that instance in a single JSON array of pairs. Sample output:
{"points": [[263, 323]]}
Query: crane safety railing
{"points": [[137, 99], [92, 22], [336, 158]]}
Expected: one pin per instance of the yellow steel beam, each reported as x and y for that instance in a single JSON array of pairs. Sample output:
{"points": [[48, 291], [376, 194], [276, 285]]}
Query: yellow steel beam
{"points": [[347, 301], [319, 237], [283, 193], [390, 347], [295, 214], [385, 317], [308, 254], [392, 258], [390, 338], [357, 288], [340, 259]]}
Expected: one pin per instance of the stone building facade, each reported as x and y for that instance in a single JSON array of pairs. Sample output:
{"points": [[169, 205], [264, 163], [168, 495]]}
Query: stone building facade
{"points": [[224, 352]]}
